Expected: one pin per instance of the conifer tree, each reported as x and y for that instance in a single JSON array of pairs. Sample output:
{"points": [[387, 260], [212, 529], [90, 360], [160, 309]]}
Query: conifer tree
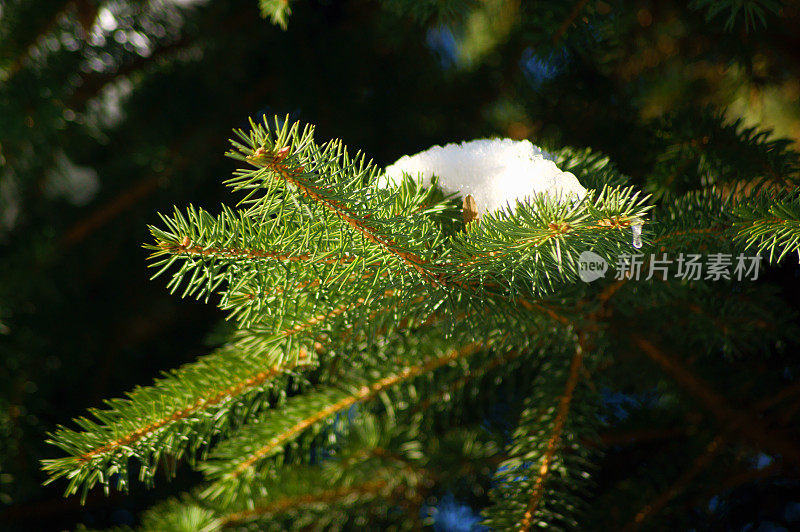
{"points": [[380, 349]]}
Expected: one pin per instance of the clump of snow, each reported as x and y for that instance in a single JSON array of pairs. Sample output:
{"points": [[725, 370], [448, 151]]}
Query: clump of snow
{"points": [[495, 172], [78, 184]]}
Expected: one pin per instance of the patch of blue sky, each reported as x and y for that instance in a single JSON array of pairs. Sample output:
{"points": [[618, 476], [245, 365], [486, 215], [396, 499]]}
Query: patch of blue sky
{"points": [[764, 526], [761, 460], [499, 419], [617, 406], [540, 68], [338, 428], [452, 515], [443, 43], [791, 513]]}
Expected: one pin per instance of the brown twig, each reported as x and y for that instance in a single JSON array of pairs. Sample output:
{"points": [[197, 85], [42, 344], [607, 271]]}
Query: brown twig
{"points": [[136, 192], [749, 426], [472, 374], [93, 83], [541, 307], [359, 224], [149, 184], [712, 450], [743, 477], [18, 63], [698, 231], [314, 320], [554, 441], [243, 253], [371, 487], [569, 20], [203, 403], [362, 394]]}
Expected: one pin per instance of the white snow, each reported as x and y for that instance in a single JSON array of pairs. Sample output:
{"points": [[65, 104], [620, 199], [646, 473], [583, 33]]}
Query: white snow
{"points": [[496, 172], [78, 184]]}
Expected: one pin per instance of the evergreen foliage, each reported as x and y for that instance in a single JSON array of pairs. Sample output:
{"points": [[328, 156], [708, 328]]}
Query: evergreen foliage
{"points": [[753, 12], [378, 352], [326, 276]]}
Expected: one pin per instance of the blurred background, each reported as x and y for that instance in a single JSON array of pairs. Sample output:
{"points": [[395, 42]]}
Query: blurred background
{"points": [[113, 111]]}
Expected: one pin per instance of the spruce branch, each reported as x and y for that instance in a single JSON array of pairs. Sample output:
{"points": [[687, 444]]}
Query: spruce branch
{"points": [[706, 148], [311, 217], [301, 230], [336, 186], [238, 456], [712, 449], [314, 205], [173, 418], [554, 441], [316, 254], [536, 248], [378, 467], [233, 247], [764, 222], [749, 426], [540, 482], [433, 12], [472, 375], [278, 11], [770, 223], [752, 12], [751, 319], [369, 488]]}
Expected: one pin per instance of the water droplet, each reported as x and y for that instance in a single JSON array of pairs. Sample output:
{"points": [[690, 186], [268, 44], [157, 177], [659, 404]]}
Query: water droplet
{"points": [[637, 235]]}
